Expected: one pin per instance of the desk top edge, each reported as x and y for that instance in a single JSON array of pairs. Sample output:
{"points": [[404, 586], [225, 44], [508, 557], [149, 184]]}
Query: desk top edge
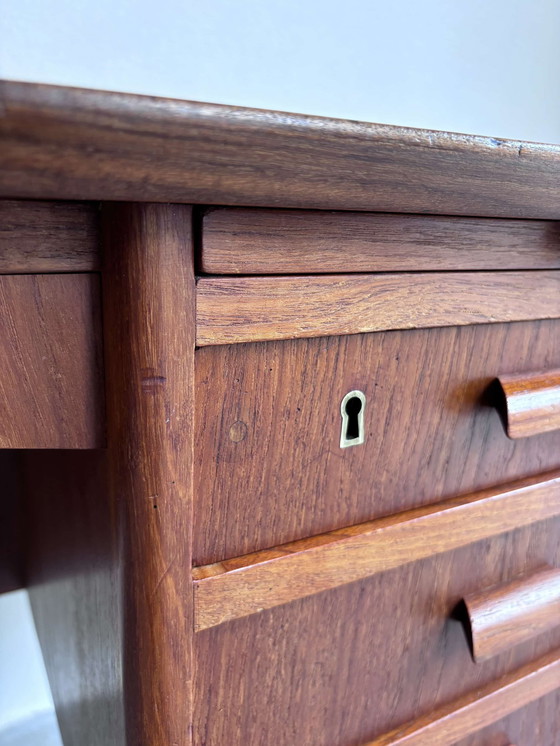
{"points": [[69, 143]]}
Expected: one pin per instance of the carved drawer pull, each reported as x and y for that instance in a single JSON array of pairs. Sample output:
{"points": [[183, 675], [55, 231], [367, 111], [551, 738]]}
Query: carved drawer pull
{"points": [[532, 403], [503, 616]]}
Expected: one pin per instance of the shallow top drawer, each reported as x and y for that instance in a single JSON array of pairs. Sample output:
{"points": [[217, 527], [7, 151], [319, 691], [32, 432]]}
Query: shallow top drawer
{"points": [[261, 241]]}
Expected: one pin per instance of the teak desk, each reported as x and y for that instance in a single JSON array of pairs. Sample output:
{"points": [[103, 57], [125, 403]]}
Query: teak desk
{"points": [[280, 420]]}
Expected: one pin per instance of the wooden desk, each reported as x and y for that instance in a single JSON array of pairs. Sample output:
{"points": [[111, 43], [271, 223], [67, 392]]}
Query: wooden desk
{"points": [[259, 374]]}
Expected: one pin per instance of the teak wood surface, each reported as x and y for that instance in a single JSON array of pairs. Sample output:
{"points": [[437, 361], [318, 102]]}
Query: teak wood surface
{"points": [[248, 242], [51, 386], [479, 709], [268, 429], [249, 309], [513, 612], [250, 584], [67, 143], [109, 530], [41, 236], [537, 722], [349, 664], [149, 348], [208, 455], [532, 403]]}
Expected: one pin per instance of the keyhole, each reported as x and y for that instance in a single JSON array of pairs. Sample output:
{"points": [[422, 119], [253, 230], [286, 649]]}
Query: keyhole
{"points": [[352, 411]]}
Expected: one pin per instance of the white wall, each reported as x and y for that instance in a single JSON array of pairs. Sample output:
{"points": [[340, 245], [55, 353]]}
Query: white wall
{"points": [[479, 66], [25, 699]]}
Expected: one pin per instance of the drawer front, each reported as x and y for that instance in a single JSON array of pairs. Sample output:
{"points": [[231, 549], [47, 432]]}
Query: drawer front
{"points": [[537, 724], [51, 388], [347, 666], [252, 241], [270, 468]]}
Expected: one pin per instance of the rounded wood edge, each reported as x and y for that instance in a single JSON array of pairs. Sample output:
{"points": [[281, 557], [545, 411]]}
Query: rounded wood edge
{"points": [[249, 584], [478, 709], [498, 618], [69, 143], [529, 404]]}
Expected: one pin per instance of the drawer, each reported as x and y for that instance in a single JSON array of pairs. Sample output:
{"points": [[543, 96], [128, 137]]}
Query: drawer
{"points": [[269, 466], [51, 388], [255, 241], [346, 666], [537, 724]]}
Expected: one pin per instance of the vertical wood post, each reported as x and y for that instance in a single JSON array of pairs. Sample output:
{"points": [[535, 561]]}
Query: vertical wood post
{"points": [[149, 318]]}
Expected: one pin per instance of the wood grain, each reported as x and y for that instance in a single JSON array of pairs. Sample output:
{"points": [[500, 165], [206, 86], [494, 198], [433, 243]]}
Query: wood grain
{"points": [[350, 664], [247, 585], [480, 708], [149, 333], [51, 387], [65, 143], [498, 618], [536, 723], [254, 242], [249, 309], [268, 429], [532, 403], [48, 236]]}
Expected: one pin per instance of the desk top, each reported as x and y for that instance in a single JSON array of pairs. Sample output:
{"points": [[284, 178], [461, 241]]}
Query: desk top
{"points": [[68, 143]]}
